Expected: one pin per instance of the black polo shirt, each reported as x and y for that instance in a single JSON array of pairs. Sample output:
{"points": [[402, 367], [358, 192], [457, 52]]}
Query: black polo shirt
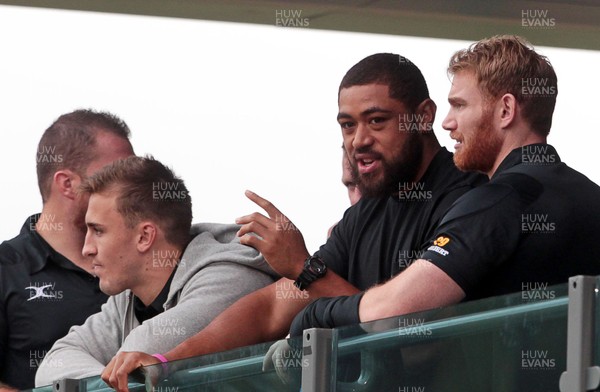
{"points": [[533, 225], [42, 294], [379, 237]]}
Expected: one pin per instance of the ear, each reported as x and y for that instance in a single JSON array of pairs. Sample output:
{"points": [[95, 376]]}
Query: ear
{"points": [[147, 232], [66, 182], [426, 115], [507, 110]]}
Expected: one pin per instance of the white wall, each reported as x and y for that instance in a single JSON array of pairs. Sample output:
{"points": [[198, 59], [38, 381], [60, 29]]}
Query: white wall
{"points": [[228, 106]]}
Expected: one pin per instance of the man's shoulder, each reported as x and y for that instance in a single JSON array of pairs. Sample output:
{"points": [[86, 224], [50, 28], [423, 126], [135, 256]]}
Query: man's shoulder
{"points": [[215, 243], [558, 173], [212, 239], [15, 250], [24, 247], [512, 190], [220, 232]]}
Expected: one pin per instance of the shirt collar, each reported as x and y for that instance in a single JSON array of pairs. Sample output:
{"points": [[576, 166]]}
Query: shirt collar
{"points": [[531, 154], [143, 312], [44, 253]]}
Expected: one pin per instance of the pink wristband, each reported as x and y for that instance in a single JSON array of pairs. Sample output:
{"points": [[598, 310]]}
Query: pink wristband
{"points": [[163, 361]]}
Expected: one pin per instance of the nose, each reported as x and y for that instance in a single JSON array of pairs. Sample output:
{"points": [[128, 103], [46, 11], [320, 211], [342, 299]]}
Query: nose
{"points": [[362, 136], [89, 248], [449, 123]]}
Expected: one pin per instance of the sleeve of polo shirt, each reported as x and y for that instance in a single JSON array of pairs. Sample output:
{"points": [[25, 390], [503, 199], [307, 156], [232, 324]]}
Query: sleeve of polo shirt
{"points": [[479, 232]]}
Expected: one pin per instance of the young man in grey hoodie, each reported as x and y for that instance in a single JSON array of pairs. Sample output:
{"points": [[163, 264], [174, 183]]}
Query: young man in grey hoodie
{"points": [[163, 287]]}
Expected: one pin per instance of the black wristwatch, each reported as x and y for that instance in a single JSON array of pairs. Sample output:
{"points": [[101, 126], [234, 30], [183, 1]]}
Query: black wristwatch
{"points": [[314, 268]]}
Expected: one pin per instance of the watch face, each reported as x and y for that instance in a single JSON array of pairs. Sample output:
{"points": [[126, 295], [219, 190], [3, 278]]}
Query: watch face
{"points": [[317, 265]]}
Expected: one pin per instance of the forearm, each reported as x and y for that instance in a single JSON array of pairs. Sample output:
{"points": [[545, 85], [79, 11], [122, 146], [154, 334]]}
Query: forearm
{"points": [[77, 355], [331, 285], [239, 325], [277, 305], [67, 362], [420, 287]]}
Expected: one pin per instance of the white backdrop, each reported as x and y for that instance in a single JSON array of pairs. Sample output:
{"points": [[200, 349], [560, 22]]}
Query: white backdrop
{"points": [[228, 106]]}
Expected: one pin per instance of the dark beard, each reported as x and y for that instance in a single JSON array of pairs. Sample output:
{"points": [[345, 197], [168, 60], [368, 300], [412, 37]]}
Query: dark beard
{"points": [[403, 169]]}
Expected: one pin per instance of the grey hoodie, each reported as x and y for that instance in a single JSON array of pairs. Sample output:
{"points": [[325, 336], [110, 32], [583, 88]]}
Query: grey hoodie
{"points": [[214, 272]]}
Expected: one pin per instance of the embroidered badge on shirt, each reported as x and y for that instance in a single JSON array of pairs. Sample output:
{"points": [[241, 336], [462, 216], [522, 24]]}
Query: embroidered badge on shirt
{"points": [[438, 244]]}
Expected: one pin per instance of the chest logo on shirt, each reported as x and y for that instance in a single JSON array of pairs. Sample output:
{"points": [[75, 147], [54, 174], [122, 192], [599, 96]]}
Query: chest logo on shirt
{"points": [[43, 292]]}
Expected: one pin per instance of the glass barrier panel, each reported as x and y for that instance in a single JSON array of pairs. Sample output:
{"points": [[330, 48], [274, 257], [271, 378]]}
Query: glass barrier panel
{"points": [[515, 342], [509, 343], [241, 369], [273, 366]]}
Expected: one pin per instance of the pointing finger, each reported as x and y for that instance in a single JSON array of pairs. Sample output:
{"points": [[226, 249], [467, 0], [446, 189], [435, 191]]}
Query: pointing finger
{"points": [[264, 204]]}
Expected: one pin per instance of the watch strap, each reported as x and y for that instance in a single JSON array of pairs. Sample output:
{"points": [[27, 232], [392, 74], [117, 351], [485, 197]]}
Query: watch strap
{"points": [[307, 276]]}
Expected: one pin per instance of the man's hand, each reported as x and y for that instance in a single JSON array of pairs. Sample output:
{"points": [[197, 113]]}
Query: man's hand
{"points": [[279, 240], [115, 373], [283, 358]]}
